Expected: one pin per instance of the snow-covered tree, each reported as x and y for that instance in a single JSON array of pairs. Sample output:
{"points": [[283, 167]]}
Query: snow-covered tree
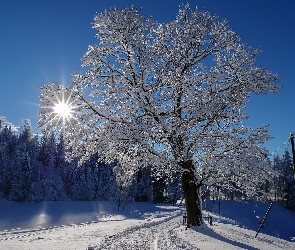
{"points": [[173, 94], [277, 179], [21, 177], [85, 184], [142, 185], [61, 164], [26, 133], [287, 180], [107, 185], [8, 153]]}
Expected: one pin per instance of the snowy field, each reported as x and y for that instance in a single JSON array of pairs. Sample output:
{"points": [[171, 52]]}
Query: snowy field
{"points": [[82, 225]]}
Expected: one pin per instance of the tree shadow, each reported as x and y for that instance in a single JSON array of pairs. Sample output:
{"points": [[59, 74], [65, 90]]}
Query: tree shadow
{"points": [[211, 233]]}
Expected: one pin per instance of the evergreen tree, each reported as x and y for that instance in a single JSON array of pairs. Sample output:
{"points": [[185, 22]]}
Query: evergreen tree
{"points": [[8, 148], [54, 187], [277, 181], [21, 178], [288, 180], [143, 185], [80, 186], [107, 182], [25, 135], [61, 163], [159, 189], [4, 171], [174, 191], [33, 149]]}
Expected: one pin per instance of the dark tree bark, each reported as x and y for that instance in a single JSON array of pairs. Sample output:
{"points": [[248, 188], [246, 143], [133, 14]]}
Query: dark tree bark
{"points": [[191, 195]]}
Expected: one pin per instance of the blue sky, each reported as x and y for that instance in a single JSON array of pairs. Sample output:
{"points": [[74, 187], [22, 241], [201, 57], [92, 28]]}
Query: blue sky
{"points": [[43, 41]]}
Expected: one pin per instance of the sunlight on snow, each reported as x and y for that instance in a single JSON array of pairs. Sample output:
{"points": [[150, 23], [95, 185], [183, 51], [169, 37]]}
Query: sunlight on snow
{"points": [[40, 219]]}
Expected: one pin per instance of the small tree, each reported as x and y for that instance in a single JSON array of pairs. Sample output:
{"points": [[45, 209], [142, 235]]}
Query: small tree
{"points": [[173, 94], [287, 180], [277, 184]]}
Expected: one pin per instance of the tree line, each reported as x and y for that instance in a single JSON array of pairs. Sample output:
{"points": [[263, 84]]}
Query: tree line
{"points": [[34, 168], [283, 183]]}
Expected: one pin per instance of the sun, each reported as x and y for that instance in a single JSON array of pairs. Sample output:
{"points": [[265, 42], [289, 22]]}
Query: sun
{"points": [[63, 110], [59, 107]]}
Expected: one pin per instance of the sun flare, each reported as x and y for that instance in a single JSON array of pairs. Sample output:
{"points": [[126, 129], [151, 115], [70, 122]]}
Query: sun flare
{"points": [[63, 110], [60, 107]]}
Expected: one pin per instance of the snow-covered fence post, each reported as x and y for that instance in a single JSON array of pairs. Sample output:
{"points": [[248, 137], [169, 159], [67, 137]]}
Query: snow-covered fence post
{"points": [[263, 219]]}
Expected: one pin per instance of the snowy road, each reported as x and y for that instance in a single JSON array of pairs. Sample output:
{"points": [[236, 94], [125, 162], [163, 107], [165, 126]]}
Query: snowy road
{"points": [[159, 235]]}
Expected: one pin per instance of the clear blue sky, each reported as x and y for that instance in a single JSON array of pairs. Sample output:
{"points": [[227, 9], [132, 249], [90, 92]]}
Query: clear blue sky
{"points": [[43, 40]]}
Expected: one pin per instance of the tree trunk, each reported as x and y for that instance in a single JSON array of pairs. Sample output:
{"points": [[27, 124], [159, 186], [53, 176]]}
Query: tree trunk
{"points": [[191, 195]]}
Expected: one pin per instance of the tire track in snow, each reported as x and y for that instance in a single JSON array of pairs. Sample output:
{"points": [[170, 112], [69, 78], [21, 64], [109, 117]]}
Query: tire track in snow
{"points": [[156, 235]]}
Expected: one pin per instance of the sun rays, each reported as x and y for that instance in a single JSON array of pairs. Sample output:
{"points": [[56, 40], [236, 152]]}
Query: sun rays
{"points": [[62, 104], [59, 106], [63, 110]]}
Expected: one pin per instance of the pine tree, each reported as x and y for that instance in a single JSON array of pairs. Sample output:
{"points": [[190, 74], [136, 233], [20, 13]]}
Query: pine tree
{"points": [[25, 135], [21, 178], [80, 188], [61, 163], [288, 180], [277, 183], [4, 171], [143, 185], [8, 148], [107, 182], [33, 149]]}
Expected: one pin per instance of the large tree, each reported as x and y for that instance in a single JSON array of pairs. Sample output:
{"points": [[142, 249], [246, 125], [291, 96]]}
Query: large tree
{"points": [[168, 95]]}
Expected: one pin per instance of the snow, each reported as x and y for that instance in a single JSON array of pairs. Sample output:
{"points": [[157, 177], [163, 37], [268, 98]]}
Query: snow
{"points": [[81, 224]]}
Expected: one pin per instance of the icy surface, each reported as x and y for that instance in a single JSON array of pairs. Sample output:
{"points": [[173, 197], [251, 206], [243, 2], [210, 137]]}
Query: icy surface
{"points": [[79, 225]]}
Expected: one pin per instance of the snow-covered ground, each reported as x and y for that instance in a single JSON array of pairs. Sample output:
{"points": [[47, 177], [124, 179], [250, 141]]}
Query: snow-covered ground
{"points": [[81, 225]]}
